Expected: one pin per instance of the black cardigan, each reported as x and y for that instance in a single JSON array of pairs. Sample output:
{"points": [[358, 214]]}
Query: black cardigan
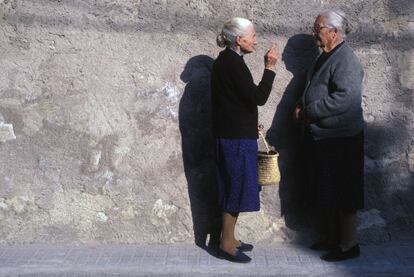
{"points": [[235, 97]]}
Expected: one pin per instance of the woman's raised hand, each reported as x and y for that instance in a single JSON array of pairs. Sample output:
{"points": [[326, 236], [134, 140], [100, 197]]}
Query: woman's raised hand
{"points": [[271, 57]]}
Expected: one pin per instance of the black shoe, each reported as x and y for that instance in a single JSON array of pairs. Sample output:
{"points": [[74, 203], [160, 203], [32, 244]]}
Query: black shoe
{"points": [[339, 255], [240, 257], [245, 247], [322, 245]]}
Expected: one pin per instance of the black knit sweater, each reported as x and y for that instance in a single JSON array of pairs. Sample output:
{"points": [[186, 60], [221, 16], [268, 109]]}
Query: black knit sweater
{"points": [[235, 97]]}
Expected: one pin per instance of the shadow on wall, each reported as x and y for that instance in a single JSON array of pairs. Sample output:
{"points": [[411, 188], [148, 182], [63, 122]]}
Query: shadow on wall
{"points": [[389, 185], [388, 181], [298, 55], [198, 149]]}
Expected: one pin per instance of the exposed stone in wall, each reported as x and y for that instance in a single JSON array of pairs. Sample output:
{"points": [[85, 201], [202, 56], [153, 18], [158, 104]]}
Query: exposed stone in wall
{"points": [[6, 132], [372, 227], [105, 117], [407, 69], [410, 157]]}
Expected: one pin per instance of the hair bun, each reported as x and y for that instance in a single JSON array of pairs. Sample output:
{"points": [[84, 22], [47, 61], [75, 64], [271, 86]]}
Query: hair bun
{"points": [[347, 27], [221, 40]]}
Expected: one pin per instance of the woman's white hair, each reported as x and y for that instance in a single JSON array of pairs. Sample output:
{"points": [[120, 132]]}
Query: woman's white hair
{"points": [[337, 19], [234, 27]]}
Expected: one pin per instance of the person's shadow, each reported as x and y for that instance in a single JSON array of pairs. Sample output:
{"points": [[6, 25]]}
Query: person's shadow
{"points": [[284, 134], [198, 150]]}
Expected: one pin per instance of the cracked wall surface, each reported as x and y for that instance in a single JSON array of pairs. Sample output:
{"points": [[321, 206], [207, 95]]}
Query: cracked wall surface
{"points": [[105, 118]]}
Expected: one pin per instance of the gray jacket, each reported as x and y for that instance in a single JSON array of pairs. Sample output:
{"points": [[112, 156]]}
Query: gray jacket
{"points": [[332, 97]]}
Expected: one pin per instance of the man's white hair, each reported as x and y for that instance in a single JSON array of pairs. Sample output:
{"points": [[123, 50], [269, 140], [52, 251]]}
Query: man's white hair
{"points": [[337, 19], [234, 27]]}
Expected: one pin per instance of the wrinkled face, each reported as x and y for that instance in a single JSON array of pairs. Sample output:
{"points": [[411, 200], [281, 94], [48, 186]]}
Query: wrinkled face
{"points": [[323, 33], [248, 41]]}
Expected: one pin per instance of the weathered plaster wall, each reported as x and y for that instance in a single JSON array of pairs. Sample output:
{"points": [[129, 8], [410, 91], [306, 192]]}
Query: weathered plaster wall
{"points": [[104, 117]]}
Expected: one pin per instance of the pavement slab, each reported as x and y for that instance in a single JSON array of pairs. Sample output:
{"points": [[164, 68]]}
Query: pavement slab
{"points": [[389, 259]]}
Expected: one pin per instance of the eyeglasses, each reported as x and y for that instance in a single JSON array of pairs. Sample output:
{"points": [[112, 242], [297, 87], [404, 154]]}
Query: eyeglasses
{"points": [[316, 29]]}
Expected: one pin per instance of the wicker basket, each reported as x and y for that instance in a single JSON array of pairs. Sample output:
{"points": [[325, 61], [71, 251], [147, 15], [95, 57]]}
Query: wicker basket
{"points": [[268, 167]]}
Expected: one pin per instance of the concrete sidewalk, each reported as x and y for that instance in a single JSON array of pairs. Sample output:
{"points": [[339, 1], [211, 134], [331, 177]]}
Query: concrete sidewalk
{"points": [[392, 259]]}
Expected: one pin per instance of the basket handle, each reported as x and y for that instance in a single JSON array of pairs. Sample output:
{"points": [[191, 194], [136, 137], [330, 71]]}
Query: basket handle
{"points": [[260, 129]]}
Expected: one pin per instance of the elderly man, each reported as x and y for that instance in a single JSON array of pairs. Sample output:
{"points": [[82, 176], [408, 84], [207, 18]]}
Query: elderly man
{"points": [[330, 110], [235, 98]]}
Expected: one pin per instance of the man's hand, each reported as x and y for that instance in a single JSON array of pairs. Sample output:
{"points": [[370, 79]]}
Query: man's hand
{"points": [[271, 57]]}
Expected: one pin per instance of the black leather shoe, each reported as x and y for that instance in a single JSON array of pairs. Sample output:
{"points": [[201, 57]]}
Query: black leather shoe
{"points": [[240, 257], [338, 255], [322, 245], [245, 247]]}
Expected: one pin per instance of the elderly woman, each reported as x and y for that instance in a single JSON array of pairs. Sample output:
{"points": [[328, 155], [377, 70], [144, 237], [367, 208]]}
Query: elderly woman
{"points": [[235, 98], [330, 109]]}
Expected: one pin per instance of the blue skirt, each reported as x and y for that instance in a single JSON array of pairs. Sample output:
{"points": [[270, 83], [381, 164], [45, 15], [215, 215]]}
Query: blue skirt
{"points": [[236, 175]]}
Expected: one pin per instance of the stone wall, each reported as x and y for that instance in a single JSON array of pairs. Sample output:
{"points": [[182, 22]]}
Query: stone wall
{"points": [[105, 120]]}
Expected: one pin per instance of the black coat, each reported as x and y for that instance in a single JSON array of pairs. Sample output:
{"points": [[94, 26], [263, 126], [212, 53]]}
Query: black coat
{"points": [[235, 97]]}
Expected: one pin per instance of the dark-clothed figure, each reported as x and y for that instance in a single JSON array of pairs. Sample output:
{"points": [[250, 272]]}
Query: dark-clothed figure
{"points": [[331, 111], [235, 98]]}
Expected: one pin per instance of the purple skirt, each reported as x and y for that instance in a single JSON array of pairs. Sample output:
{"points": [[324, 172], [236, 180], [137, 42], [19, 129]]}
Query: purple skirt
{"points": [[236, 175]]}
